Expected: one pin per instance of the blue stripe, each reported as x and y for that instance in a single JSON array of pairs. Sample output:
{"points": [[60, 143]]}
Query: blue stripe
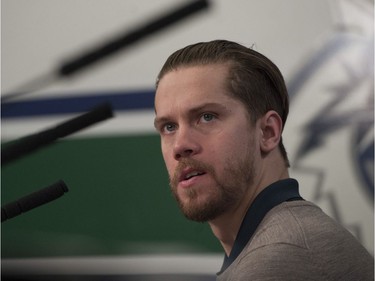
{"points": [[120, 101]]}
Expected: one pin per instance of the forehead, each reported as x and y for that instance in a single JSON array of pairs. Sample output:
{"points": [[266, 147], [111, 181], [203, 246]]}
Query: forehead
{"points": [[193, 83]]}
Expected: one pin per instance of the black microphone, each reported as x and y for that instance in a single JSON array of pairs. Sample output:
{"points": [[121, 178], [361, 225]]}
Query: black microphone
{"points": [[127, 39], [33, 200], [32, 142]]}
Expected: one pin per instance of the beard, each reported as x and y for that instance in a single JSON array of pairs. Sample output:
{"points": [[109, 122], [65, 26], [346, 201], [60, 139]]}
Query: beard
{"points": [[226, 191]]}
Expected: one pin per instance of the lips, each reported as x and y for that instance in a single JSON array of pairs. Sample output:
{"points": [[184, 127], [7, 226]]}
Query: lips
{"points": [[189, 173]]}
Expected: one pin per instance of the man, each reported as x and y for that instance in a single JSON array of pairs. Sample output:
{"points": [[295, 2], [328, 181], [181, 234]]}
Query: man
{"points": [[220, 111]]}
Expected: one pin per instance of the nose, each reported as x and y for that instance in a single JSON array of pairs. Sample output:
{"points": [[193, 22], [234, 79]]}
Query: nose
{"points": [[186, 144]]}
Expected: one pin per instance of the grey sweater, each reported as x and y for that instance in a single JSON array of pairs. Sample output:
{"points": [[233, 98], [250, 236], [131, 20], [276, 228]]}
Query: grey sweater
{"points": [[298, 241]]}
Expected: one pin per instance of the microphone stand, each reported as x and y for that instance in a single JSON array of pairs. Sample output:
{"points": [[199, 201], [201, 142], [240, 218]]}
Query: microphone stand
{"points": [[33, 200], [25, 145]]}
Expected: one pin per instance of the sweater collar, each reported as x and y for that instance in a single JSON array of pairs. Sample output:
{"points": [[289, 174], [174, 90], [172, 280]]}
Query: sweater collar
{"points": [[271, 196]]}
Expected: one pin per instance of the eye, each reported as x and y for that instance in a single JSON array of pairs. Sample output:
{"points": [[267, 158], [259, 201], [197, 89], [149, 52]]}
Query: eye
{"points": [[168, 128], [207, 117]]}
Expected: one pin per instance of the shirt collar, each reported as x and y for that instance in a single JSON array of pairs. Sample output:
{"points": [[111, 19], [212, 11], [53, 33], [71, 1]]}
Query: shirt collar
{"points": [[271, 196]]}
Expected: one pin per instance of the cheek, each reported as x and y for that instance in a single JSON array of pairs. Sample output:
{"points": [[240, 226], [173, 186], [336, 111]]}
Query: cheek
{"points": [[168, 159], [220, 149], [237, 145]]}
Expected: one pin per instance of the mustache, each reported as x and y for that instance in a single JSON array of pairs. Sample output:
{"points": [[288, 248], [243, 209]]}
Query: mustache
{"points": [[189, 163]]}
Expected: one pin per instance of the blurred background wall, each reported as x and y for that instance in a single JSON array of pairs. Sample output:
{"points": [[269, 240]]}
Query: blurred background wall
{"points": [[119, 202]]}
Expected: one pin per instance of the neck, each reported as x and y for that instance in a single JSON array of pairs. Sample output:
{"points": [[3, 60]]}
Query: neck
{"points": [[226, 226]]}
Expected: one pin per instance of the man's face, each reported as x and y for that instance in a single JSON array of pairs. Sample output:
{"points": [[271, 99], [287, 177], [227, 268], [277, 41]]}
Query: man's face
{"points": [[207, 141]]}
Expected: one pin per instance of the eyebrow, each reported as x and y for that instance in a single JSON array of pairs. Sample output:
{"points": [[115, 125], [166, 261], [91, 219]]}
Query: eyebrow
{"points": [[191, 111], [160, 120]]}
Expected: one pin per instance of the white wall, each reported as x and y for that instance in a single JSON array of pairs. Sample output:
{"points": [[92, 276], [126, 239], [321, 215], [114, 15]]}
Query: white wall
{"points": [[38, 34]]}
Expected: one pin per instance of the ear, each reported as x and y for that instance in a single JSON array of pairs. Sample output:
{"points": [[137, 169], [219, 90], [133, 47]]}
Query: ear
{"points": [[271, 128]]}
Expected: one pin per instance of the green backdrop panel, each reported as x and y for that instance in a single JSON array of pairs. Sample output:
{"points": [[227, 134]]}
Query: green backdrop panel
{"points": [[118, 202]]}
